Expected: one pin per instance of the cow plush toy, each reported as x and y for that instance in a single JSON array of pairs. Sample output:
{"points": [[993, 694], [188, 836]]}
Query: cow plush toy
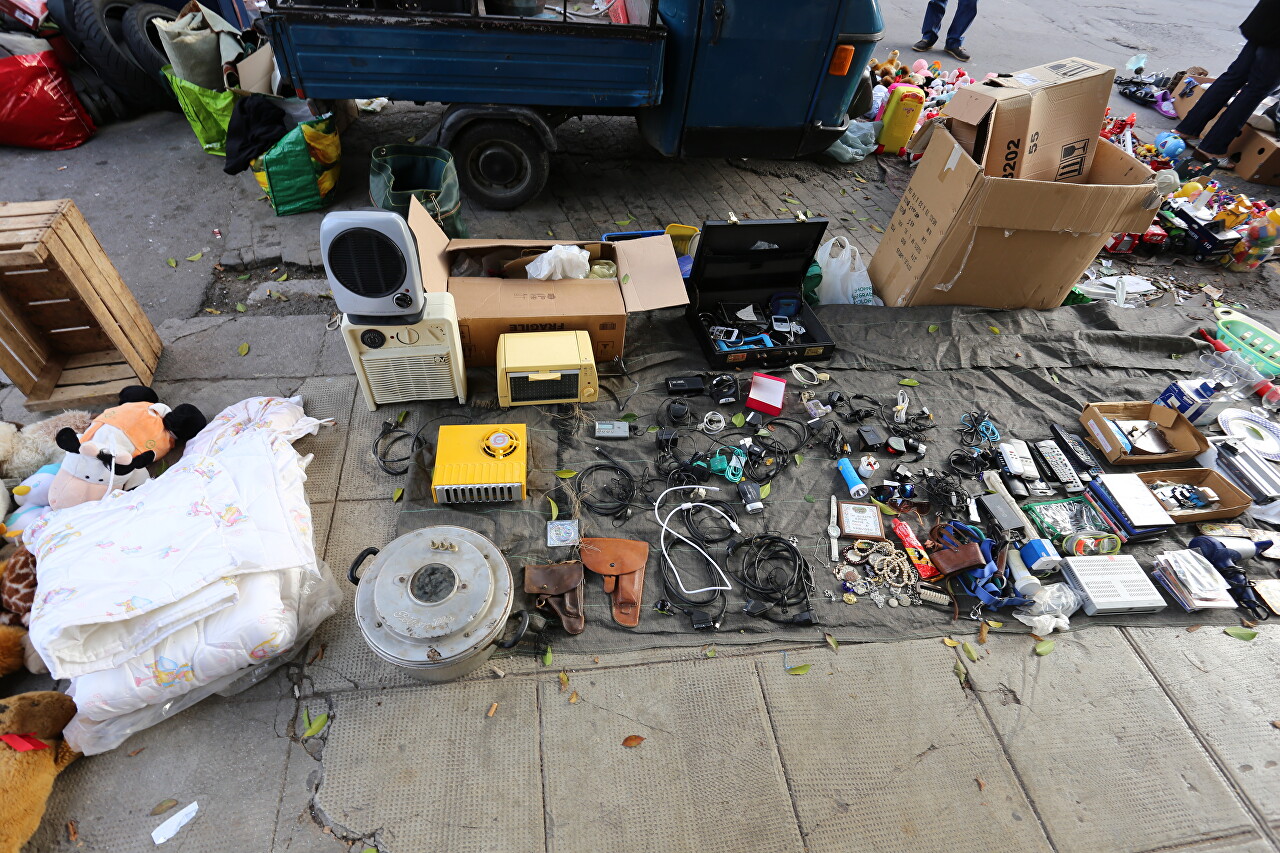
{"points": [[114, 452]]}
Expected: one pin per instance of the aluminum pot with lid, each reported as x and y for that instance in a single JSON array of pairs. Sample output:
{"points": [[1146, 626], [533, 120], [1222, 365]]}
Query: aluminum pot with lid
{"points": [[436, 602]]}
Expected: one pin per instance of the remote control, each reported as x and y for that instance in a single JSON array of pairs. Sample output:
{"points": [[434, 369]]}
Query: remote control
{"points": [[1011, 459], [1029, 469], [1079, 454], [1058, 463]]}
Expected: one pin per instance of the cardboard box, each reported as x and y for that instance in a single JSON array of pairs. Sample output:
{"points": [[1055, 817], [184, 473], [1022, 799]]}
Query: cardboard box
{"points": [[1231, 500], [959, 237], [1038, 124], [1259, 156], [1185, 95], [648, 278], [1185, 438]]}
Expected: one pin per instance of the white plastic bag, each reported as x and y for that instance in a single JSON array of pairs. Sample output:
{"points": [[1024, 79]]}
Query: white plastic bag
{"points": [[844, 275], [561, 262]]}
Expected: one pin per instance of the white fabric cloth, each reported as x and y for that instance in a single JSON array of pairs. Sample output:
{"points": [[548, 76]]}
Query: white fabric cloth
{"points": [[204, 571]]}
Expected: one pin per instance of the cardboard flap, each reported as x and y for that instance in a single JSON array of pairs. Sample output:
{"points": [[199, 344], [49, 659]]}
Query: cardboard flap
{"points": [[649, 274], [433, 246], [968, 106]]}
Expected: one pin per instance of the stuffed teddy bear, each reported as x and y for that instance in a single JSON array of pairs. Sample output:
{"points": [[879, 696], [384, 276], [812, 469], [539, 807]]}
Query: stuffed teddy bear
{"points": [[114, 452], [27, 774], [23, 449]]}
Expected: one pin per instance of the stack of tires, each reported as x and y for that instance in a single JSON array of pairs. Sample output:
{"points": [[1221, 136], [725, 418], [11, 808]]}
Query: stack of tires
{"points": [[121, 55]]}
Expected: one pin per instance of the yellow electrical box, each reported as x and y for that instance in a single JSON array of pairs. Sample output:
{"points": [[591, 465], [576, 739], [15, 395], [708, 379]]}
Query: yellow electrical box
{"points": [[480, 463], [536, 368]]}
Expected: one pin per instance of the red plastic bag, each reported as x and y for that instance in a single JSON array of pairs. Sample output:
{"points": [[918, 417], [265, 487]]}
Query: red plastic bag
{"points": [[38, 105]]}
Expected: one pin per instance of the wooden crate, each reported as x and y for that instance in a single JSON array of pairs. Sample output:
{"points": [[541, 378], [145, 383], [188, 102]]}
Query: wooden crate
{"points": [[71, 333]]}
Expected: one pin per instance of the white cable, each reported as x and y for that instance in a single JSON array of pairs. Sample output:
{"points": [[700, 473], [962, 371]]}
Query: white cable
{"points": [[712, 422], [808, 381], [662, 538], [900, 410]]}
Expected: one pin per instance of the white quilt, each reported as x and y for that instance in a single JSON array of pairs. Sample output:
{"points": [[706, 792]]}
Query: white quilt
{"points": [[145, 596]]}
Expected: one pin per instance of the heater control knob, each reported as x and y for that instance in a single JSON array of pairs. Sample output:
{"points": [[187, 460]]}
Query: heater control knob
{"points": [[372, 338], [403, 300]]}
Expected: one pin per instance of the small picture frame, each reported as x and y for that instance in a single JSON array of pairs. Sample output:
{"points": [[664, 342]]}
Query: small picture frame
{"points": [[859, 520]]}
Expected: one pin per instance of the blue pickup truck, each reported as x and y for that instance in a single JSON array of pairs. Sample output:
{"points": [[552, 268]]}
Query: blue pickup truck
{"points": [[723, 78]]}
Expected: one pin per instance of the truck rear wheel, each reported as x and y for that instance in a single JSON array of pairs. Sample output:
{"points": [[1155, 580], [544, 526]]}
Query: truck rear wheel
{"points": [[501, 164]]}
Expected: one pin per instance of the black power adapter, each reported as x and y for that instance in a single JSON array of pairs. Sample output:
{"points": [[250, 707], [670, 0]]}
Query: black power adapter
{"points": [[686, 386]]}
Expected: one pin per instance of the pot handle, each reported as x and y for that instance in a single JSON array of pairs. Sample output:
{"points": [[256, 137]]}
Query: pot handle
{"points": [[521, 630], [355, 564]]}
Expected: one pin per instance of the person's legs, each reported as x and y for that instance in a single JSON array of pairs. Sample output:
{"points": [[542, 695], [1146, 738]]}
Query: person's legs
{"points": [[1220, 91], [933, 20], [966, 11], [1263, 77]]}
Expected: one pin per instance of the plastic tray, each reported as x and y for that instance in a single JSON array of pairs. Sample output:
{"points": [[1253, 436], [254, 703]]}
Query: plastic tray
{"points": [[1256, 343]]}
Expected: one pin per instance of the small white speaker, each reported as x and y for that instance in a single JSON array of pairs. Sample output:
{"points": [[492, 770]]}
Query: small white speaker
{"points": [[397, 363], [371, 260]]}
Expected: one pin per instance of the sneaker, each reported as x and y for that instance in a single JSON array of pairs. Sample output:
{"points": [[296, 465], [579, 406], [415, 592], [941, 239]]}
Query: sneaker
{"points": [[922, 45], [959, 53]]}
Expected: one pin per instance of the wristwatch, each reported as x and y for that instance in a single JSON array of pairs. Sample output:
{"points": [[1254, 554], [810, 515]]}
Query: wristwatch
{"points": [[833, 531]]}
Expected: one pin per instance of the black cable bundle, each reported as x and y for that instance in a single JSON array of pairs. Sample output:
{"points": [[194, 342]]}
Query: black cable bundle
{"points": [[775, 574], [615, 497], [946, 491], [389, 437]]}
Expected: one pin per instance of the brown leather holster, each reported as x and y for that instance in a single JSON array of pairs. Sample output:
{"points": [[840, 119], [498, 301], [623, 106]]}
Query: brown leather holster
{"points": [[559, 587], [621, 562]]}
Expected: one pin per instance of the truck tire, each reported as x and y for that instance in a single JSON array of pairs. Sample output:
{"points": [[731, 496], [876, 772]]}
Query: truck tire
{"points": [[861, 103], [143, 42], [501, 164], [100, 25]]}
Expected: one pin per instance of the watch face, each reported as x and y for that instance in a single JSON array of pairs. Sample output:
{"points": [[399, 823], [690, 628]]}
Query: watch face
{"points": [[833, 531]]}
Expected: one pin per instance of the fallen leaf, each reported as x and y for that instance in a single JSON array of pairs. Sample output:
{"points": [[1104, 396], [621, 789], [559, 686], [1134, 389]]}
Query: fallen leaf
{"points": [[492, 709], [1044, 647], [160, 807], [278, 296], [1191, 629], [810, 499], [546, 657], [397, 495], [994, 330], [244, 277], [710, 652], [843, 191], [982, 786], [283, 277], [1248, 623], [564, 680], [950, 642], [319, 655], [933, 328], [652, 429], [983, 628], [549, 233], [412, 139], [832, 642], [800, 669], [876, 228], [994, 624], [243, 349], [555, 509], [960, 670], [197, 256], [73, 831], [403, 414], [789, 199], [860, 179], [623, 221], [632, 741], [173, 262], [596, 659], [629, 418], [136, 751], [885, 509], [626, 277], [241, 307], [910, 383], [862, 218], [306, 719], [1239, 633], [1036, 637], [574, 698], [763, 433], [1175, 356], [212, 311], [799, 458], [566, 474], [317, 726], [765, 490], [969, 651]]}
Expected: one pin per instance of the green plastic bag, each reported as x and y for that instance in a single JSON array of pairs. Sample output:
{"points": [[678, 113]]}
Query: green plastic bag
{"points": [[398, 173], [300, 171], [812, 279], [207, 112]]}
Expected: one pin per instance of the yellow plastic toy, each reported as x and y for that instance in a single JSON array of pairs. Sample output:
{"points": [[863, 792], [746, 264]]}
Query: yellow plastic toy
{"points": [[1190, 189], [1237, 213], [900, 114]]}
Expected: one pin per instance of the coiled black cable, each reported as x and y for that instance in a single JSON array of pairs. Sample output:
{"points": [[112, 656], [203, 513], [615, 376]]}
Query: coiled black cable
{"points": [[775, 573], [391, 435], [613, 498]]}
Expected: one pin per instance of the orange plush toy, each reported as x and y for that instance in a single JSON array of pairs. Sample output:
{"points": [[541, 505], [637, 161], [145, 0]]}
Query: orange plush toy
{"points": [[32, 754], [114, 452]]}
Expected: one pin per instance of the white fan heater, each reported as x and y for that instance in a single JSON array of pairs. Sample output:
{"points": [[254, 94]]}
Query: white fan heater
{"points": [[401, 363]]}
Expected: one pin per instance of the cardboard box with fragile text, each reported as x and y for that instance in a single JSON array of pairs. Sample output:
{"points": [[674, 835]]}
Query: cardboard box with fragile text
{"points": [[648, 278]]}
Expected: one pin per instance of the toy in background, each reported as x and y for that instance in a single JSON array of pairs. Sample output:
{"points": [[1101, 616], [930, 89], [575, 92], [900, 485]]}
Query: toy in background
{"points": [[31, 726], [1259, 242], [116, 448], [900, 114], [18, 590], [937, 85], [32, 498], [25, 449]]}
